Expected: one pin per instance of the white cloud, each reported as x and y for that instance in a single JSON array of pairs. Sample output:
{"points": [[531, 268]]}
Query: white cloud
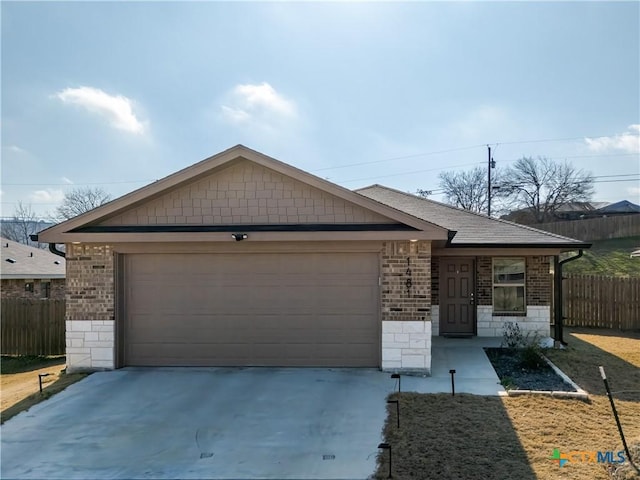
{"points": [[628, 141], [257, 105], [16, 149], [117, 109], [48, 196], [66, 180], [634, 191]]}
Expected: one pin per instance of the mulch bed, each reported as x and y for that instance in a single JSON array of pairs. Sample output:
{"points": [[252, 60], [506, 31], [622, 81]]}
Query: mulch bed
{"points": [[514, 375]]}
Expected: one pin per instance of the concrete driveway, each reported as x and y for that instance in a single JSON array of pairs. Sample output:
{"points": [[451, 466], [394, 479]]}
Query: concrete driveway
{"points": [[203, 423]]}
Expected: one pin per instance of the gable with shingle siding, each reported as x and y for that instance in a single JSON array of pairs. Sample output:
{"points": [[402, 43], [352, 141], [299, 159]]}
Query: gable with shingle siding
{"points": [[246, 193]]}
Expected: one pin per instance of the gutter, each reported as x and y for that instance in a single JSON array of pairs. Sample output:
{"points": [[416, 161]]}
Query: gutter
{"points": [[52, 246], [557, 297], [450, 236]]}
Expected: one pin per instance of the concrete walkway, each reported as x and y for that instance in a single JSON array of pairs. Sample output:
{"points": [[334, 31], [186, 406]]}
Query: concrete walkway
{"points": [[474, 373]]}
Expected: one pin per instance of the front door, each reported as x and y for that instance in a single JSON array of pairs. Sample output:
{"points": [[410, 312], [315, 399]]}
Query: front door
{"points": [[457, 296]]}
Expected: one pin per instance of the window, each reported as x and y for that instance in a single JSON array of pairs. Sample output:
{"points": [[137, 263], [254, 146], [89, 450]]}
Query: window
{"points": [[508, 285], [45, 289]]}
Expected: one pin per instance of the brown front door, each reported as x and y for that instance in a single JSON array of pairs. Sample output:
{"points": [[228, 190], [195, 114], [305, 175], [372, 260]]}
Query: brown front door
{"points": [[457, 296]]}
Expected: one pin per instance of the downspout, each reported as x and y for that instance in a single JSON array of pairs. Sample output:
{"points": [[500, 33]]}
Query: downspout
{"points": [[450, 235], [52, 246], [557, 303]]}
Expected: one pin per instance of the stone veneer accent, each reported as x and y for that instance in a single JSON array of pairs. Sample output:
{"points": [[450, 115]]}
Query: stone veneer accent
{"points": [[90, 345], [435, 320], [90, 314], [406, 346], [537, 321]]}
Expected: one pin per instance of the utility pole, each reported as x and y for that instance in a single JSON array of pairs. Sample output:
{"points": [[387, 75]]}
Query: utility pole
{"points": [[490, 164], [489, 182]]}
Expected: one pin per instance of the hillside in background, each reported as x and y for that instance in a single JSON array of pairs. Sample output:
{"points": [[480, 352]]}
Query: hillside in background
{"points": [[608, 257]]}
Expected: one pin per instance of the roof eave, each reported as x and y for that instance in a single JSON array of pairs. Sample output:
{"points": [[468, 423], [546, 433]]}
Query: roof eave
{"points": [[23, 276], [565, 246], [56, 232]]}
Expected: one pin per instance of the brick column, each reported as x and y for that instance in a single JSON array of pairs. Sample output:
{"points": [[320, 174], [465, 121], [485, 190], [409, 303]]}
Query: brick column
{"points": [[90, 311], [406, 306]]}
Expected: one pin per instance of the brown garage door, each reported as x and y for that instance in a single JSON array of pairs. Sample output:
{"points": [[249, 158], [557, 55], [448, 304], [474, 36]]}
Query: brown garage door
{"points": [[252, 309]]}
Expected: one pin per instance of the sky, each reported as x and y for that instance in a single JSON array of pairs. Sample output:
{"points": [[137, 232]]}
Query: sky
{"points": [[119, 94]]}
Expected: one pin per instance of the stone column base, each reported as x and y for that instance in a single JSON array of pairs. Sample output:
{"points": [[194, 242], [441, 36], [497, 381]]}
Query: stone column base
{"points": [[406, 346], [90, 345]]}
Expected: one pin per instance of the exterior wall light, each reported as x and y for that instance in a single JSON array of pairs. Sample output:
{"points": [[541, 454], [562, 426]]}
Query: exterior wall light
{"points": [[238, 237]]}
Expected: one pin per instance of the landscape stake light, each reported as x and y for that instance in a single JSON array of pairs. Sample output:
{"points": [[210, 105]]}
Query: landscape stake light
{"points": [[453, 385], [386, 446], [397, 402], [615, 414], [40, 375], [396, 375]]}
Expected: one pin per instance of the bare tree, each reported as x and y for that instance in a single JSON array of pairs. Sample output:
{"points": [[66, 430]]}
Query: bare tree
{"points": [[81, 200], [22, 224], [466, 189], [542, 186]]}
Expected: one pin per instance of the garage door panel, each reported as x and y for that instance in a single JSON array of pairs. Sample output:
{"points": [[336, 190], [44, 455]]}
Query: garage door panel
{"points": [[252, 309]]}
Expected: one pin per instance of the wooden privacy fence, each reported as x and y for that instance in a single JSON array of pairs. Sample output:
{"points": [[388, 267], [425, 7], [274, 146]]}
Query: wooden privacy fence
{"points": [[590, 229], [602, 302], [32, 327]]}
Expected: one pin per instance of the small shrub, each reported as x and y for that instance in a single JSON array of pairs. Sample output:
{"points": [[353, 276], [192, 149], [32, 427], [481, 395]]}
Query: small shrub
{"points": [[508, 383], [530, 356], [512, 336]]}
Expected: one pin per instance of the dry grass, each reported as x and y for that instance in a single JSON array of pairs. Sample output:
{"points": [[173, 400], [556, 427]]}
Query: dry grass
{"points": [[496, 438], [19, 382]]}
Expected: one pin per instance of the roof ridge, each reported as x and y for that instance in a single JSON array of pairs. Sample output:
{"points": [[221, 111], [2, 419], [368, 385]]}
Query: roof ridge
{"points": [[481, 215]]}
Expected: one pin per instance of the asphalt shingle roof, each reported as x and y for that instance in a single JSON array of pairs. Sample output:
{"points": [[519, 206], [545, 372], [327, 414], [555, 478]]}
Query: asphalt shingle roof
{"points": [[23, 261], [472, 228]]}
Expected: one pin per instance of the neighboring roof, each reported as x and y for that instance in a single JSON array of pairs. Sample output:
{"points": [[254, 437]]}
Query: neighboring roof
{"points": [[623, 206], [580, 206], [72, 230], [22, 261], [472, 229]]}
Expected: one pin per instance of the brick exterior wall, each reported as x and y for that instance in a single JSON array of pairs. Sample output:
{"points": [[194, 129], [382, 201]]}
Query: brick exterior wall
{"points": [[246, 193], [435, 281], [539, 283], [484, 282], [14, 288], [401, 301], [538, 293], [90, 282]]}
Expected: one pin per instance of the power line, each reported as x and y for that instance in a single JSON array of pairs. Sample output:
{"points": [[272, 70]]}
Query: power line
{"points": [[73, 184], [426, 154], [564, 157], [496, 144], [407, 173]]}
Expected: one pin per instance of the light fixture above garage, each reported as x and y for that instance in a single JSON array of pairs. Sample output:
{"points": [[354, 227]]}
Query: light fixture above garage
{"points": [[238, 237]]}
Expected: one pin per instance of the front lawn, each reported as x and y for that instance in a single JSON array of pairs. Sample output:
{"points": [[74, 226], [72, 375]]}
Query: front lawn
{"points": [[469, 436], [19, 382]]}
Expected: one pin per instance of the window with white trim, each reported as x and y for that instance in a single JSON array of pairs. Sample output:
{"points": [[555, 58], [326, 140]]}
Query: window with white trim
{"points": [[509, 285]]}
